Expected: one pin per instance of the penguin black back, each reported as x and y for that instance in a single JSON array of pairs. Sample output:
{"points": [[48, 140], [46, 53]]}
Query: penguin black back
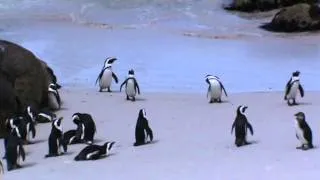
{"points": [[14, 150], [142, 129], [94, 152], [241, 125], [86, 126]]}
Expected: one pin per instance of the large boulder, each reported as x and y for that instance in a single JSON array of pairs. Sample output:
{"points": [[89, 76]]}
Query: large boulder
{"points": [[9, 103], [26, 70], [263, 5], [24, 80], [296, 18]]}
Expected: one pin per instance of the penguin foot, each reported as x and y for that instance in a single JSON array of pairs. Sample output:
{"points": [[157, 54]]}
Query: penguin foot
{"points": [[211, 101], [219, 101], [128, 98], [100, 90], [109, 90]]}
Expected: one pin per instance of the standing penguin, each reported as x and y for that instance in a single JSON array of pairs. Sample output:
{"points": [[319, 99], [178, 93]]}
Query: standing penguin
{"points": [[14, 150], [54, 101], [215, 89], [86, 127], [55, 141], [142, 131], [303, 131], [241, 125], [106, 75], [293, 85], [131, 86], [94, 152], [25, 126]]}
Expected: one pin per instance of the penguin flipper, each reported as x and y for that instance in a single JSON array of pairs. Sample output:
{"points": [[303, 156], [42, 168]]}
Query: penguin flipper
{"points": [[114, 76], [100, 75], [33, 130], [250, 128], [124, 82], [233, 125], [22, 152], [224, 90], [137, 85], [301, 90]]}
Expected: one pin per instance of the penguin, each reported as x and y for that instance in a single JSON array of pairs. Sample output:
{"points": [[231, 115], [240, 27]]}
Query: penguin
{"points": [[241, 124], [94, 152], [293, 85], [143, 131], [14, 150], [215, 89], [53, 76], [25, 125], [86, 127], [70, 137], [45, 116], [132, 86], [54, 101], [303, 131], [55, 141], [106, 75]]}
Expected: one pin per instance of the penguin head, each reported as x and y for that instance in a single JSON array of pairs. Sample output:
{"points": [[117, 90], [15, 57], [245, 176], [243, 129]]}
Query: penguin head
{"points": [[57, 124], [76, 118], [241, 109], [109, 61], [142, 113], [209, 76], [53, 88], [300, 116], [108, 146], [131, 72], [296, 73]]}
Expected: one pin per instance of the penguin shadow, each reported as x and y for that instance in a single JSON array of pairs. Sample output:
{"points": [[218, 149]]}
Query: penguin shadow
{"points": [[68, 153], [36, 141], [96, 141], [137, 99], [148, 143], [222, 102], [27, 165]]}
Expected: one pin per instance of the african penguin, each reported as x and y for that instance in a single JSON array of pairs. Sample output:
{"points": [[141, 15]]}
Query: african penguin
{"points": [[293, 85], [241, 125], [94, 152], [142, 131], [54, 101], [55, 140], [14, 150], [86, 127], [215, 89], [53, 76], [303, 131], [106, 75], [132, 86], [25, 125]]}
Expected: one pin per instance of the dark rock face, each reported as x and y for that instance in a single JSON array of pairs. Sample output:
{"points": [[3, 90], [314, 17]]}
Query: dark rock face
{"points": [[296, 18], [263, 5], [24, 80]]}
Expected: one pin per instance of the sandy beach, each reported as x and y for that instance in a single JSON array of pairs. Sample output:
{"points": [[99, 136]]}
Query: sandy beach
{"points": [[193, 139]]}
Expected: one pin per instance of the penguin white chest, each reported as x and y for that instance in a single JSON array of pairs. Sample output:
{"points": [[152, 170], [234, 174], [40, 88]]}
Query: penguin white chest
{"points": [[299, 133], [106, 79], [130, 88], [53, 101], [293, 91], [215, 90]]}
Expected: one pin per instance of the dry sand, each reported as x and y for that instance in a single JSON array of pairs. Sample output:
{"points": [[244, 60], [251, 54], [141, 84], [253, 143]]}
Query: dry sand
{"points": [[193, 139]]}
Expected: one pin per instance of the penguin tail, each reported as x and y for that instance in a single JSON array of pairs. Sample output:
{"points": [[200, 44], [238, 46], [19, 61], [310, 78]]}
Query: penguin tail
{"points": [[77, 158]]}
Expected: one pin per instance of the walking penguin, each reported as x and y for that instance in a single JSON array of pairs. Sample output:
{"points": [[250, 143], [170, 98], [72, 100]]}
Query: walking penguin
{"points": [[292, 87], [132, 86], [241, 125], [303, 131], [106, 75]]}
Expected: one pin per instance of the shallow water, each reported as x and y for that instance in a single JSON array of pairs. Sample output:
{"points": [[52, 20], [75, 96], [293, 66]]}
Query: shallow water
{"points": [[171, 45]]}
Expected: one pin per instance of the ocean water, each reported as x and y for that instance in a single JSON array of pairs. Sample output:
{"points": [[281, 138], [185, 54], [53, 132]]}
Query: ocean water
{"points": [[171, 45]]}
